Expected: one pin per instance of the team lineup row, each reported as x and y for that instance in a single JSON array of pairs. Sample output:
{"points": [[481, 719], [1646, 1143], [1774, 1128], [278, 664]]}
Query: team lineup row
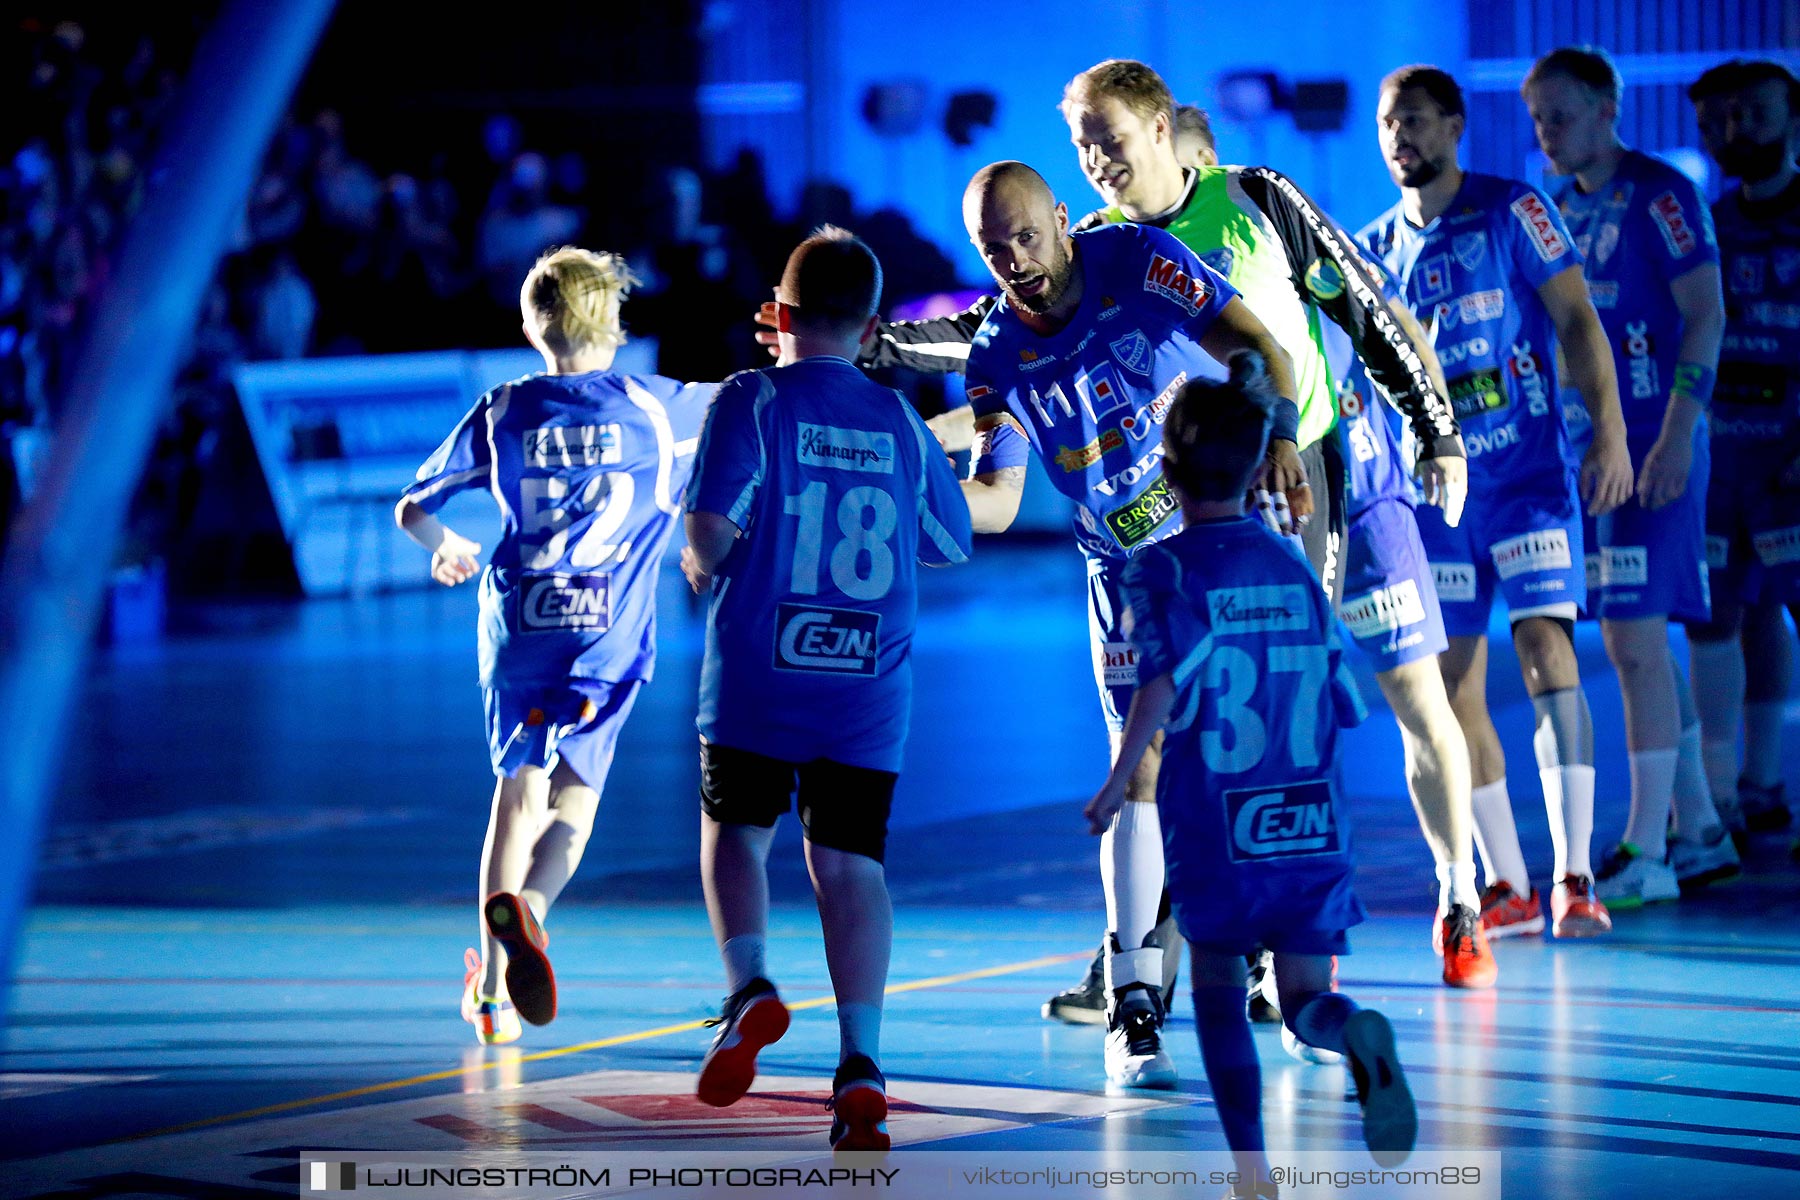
{"points": [[1549, 359]]}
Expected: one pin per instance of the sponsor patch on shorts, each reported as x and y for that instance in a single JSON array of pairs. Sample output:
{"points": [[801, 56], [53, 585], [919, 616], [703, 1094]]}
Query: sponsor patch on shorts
{"points": [[1623, 566], [846, 449], [828, 641], [555, 446], [1540, 550], [1776, 547], [550, 602], [1718, 552], [1287, 821], [1118, 664], [1455, 581], [1384, 610]]}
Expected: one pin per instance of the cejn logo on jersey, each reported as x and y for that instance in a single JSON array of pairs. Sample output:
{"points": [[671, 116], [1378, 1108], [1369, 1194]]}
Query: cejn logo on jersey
{"points": [[1546, 238], [846, 449], [1270, 609], [1167, 278], [1671, 219], [829, 641], [556, 602], [556, 446], [1293, 821]]}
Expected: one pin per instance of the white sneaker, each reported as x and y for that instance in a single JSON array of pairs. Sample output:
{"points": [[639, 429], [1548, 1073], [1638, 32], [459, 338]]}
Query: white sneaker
{"points": [[1628, 878], [1710, 858], [1135, 1057], [1306, 1053]]}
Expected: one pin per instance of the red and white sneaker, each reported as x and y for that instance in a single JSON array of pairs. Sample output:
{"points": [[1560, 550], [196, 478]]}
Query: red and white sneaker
{"points": [[1575, 910], [496, 1022], [1467, 962], [753, 1017], [1504, 914]]}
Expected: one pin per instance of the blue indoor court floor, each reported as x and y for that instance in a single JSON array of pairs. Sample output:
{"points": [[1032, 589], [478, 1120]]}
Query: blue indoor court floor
{"points": [[257, 885]]}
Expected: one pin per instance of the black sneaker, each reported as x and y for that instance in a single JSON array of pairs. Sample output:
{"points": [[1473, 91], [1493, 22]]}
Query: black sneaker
{"points": [[859, 1106], [1390, 1121], [1765, 808], [1135, 1057], [1261, 1001], [1085, 1003], [751, 1018]]}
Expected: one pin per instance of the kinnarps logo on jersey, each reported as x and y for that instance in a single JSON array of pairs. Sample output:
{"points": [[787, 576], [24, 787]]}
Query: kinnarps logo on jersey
{"points": [[1273, 608], [556, 446], [846, 449], [1540, 550], [1284, 822], [1384, 610], [548, 602], [1166, 278], [828, 641]]}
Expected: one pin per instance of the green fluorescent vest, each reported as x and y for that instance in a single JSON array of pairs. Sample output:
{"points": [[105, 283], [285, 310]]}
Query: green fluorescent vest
{"points": [[1218, 215]]}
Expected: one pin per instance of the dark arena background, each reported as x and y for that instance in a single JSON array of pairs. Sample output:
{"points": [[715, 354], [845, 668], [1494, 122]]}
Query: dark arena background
{"points": [[256, 260]]}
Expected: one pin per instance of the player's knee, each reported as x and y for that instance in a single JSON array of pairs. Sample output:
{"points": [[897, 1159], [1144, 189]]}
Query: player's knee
{"points": [[1546, 649]]}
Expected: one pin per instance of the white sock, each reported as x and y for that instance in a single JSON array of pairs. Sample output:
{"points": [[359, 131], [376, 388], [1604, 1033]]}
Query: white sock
{"points": [[1695, 815], [1134, 966], [1569, 802], [1456, 885], [1762, 742], [1131, 873], [743, 957], [859, 1030], [1721, 763], [1652, 795], [1497, 838]]}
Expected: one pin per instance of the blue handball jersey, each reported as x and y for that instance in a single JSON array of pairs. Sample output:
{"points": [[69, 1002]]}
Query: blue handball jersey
{"points": [[1092, 397], [1472, 276], [1756, 407], [1372, 435], [1248, 786], [1646, 227], [588, 471], [840, 491]]}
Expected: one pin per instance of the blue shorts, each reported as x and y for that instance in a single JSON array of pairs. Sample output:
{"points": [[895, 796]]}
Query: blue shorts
{"points": [[1752, 533], [1390, 600], [577, 722], [1526, 543], [1652, 564], [1115, 662]]}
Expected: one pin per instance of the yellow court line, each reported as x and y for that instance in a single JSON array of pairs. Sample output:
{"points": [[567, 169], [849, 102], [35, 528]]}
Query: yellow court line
{"points": [[580, 1048]]}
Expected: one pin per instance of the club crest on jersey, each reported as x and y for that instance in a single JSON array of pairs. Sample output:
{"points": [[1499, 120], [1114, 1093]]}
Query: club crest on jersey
{"points": [[1324, 280], [1671, 218], [1080, 458], [557, 602], [846, 449], [554, 446], [1470, 248], [1269, 608], [1133, 352], [1540, 227], [828, 641], [1289, 821], [1167, 278]]}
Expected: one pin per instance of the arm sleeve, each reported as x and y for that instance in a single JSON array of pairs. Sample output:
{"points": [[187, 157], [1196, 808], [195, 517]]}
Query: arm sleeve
{"points": [[998, 442], [1330, 273], [944, 529], [729, 465], [462, 462], [936, 346]]}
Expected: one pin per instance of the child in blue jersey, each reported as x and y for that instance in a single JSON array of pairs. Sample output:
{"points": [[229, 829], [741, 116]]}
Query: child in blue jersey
{"points": [[816, 494], [1240, 665], [587, 468]]}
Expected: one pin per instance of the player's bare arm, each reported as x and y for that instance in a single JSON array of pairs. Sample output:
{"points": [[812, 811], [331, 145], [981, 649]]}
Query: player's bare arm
{"points": [[1150, 708], [454, 558], [1606, 480], [1237, 328], [954, 428], [709, 536], [1444, 478], [1663, 476]]}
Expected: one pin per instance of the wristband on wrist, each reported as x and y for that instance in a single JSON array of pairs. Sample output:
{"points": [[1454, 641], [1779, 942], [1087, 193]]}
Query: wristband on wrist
{"points": [[1695, 382]]}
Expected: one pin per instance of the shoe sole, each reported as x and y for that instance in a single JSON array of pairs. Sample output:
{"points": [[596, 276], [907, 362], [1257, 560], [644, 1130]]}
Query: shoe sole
{"points": [[1486, 977], [863, 1108], [1152, 1076], [1070, 1013], [1712, 876], [529, 980], [729, 1070], [1515, 928], [1390, 1121], [1581, 927]]}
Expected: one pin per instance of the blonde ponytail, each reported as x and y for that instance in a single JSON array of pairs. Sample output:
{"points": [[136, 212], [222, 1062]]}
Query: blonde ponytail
{"points": [[573, 295]]}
